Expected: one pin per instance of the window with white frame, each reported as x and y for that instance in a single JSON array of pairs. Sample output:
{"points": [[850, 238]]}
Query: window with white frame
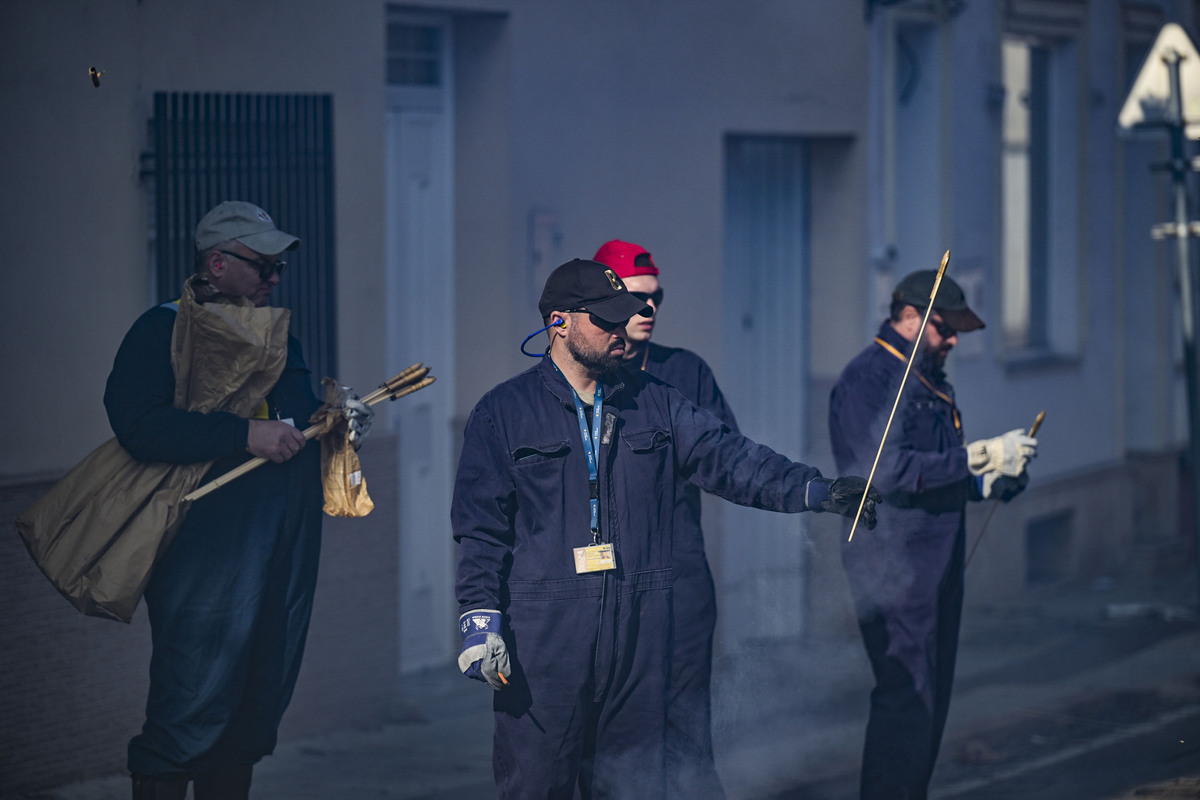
{"points": [[414, 53], [1040, 186]]}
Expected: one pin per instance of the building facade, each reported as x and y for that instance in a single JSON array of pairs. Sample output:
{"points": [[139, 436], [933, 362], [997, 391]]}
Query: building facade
{"points": [[785, 162]]}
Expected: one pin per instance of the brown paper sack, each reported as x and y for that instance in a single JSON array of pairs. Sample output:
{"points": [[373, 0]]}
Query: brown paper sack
{"points": [[97, 533], [341, 472]]}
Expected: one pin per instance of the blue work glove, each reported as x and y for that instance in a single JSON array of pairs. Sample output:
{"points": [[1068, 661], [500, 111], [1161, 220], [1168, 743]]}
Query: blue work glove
{"points": [[484, 656], [998, 486], [842, 496], [358, 416]]}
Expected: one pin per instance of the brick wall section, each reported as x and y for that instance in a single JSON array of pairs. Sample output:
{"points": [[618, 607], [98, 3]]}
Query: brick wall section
{"points": [[75, 686]]}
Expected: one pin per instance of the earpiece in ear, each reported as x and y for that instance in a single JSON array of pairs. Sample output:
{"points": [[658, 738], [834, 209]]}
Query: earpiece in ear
{"points": [[558, 323]]}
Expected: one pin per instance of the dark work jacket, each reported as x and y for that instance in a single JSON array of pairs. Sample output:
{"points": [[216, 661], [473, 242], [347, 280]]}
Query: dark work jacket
{"points": [[688, 373], [922, 470], [520, 504]]}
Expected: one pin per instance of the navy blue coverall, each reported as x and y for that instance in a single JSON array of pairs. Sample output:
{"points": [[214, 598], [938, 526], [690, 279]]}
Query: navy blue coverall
{"points": [[691, 768], [229, 602], [586, 701], [906, 576]]}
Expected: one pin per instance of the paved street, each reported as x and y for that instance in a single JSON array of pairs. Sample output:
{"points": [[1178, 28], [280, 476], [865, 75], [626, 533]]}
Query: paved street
{"points": [[1079, 693]]}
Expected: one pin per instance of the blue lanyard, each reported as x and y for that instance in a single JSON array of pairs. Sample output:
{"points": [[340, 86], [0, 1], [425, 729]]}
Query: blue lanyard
{"points": [[591, 448]]}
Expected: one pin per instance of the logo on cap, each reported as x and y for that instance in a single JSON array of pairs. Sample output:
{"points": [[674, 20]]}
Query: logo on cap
{"points": [[614, 280]]}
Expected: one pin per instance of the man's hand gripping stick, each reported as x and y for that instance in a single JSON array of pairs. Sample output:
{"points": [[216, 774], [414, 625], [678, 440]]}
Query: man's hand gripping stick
{"points": [[405, 382]]}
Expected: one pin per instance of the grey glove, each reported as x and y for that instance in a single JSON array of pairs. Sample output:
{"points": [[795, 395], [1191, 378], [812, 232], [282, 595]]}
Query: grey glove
{"points": [[359, 416], [1007, 454], [484, 655]]}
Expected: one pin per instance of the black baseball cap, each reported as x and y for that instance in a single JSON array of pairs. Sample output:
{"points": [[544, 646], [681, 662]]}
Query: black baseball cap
{"points": [[589, 285], [950, 302]]}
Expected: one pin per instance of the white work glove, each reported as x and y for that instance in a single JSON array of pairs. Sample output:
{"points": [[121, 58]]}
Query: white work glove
{"points": [[1007, 454], [484, 656], [359, 415], [996, 486]]}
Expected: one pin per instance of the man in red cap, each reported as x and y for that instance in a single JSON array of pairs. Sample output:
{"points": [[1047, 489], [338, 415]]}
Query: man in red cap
{"points": [[691, 768]]}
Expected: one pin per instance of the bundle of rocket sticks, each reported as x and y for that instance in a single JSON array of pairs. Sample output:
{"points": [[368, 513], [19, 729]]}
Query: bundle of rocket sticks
{"points": [[405, 382]]}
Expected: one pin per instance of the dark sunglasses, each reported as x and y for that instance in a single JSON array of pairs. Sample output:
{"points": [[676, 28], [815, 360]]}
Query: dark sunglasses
{"points": [[650, 297], [602, 324], [944, 330], [265, 268]]}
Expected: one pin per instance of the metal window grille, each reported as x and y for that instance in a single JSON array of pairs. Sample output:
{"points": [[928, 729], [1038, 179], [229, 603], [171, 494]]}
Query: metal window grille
{"points": [[275, 151]]}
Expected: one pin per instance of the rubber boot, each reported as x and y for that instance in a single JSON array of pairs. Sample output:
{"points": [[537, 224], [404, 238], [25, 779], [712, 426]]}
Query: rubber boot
{"points": [[224, 782], [150, 789]]}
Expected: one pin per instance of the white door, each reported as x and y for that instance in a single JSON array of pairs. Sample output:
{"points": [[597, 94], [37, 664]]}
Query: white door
{"points": [[420, 288]]}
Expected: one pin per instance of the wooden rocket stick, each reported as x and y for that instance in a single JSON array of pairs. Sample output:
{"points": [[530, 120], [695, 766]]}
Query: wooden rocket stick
{"points": [[405, 382], [937, 282]]}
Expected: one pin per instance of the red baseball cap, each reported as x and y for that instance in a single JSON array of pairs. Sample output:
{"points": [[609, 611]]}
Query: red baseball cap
{"points": [[626, 258]]}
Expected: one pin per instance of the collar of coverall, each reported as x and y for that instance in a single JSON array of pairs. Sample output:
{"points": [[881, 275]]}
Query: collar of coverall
{"points": [[924, 363], [556, 382]]}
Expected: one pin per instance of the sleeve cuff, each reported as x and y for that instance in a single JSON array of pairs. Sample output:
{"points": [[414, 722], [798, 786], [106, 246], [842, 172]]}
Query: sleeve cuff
{"points": [[816, 492], [480, 621]]}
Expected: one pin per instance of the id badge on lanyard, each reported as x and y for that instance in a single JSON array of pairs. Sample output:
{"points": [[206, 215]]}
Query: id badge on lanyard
{"points": [[596, 557]]}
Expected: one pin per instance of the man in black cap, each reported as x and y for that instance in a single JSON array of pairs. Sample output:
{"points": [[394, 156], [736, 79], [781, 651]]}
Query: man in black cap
{"points": [[229, 600], [563, 511], [907, 579]]}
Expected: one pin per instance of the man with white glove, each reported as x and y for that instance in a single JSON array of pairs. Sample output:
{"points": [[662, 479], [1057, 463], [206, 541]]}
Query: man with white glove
{"points": [[998, 464], [907, 580], [1006, 455], [998, 486]]}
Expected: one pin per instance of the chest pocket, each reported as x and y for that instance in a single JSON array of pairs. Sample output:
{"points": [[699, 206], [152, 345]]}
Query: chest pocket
{"points": [[647, 441], [930, 423], [650, 449], [530, 455]]}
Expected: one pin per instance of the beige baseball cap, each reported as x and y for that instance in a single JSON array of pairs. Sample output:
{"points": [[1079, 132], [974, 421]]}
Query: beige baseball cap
{"points": [[235, 220]]}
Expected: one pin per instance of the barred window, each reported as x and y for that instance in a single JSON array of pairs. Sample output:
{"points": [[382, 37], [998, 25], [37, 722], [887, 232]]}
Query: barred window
{"points": [[275, 151]]}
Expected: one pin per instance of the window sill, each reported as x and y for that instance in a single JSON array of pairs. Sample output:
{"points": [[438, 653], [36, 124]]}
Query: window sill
{"points": [[1016, 361]]}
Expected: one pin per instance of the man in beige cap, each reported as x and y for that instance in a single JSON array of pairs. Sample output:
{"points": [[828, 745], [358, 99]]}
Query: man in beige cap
{"points": [[230, 599]]}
